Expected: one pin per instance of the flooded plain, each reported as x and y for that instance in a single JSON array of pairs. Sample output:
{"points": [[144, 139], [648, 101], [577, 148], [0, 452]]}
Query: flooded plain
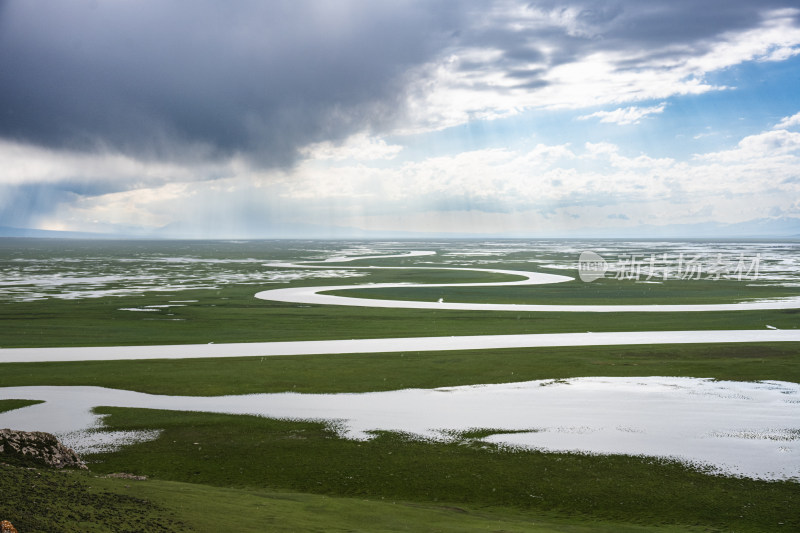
{"points": [[749, 429], [732, 428]]}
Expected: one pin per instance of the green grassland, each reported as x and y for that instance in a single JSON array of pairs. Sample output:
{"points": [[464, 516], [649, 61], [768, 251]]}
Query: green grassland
{"points": [[598, 292], [227, 311], [44, 501], [10, 405], [261, 457], [233, 314], [393, 371], [213, 473], [253, 452], [258, 474]]}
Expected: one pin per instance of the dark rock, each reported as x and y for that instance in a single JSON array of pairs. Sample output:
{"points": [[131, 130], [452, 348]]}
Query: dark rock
{"points": [[7, 527], [38, 447]]}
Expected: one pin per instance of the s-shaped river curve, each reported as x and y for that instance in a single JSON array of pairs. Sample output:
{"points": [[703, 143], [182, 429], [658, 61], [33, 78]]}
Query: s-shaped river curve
{"points": [[762, 445], [311, 295], [316, 296]]}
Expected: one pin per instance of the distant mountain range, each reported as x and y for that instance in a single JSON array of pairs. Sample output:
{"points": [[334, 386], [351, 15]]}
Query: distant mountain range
{"points": [[6, 231], [780, 228], [765, 228]]}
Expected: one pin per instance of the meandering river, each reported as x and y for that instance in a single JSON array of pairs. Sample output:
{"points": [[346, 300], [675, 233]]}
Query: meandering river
{"points": [[747, 429]]}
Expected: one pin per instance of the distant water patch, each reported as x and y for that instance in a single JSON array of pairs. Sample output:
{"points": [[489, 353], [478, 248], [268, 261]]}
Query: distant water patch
{"points": [[733, 428]]}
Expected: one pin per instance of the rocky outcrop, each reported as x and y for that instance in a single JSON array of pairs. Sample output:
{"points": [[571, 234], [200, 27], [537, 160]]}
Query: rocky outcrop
{"points": [[37, 447], [7, 527]]}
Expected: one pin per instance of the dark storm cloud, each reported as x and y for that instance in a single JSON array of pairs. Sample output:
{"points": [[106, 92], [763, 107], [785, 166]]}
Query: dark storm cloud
{"points": [[656, 31], [649, 24], [21, 205], [173, 79], [186, 80]]}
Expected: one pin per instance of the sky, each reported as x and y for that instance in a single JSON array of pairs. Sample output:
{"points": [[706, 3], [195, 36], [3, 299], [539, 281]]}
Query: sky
{"points": [[316, 118]]}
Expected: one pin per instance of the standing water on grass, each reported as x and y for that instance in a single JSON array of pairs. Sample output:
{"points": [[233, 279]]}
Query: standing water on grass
{"points": [[733, 428]]}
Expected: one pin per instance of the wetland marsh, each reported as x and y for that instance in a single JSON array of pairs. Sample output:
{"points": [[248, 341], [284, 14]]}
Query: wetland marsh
{"points": [[199, 299]]}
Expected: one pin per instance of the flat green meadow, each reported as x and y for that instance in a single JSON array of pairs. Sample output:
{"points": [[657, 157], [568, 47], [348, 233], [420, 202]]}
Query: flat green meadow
{"points": [[259, 474]]}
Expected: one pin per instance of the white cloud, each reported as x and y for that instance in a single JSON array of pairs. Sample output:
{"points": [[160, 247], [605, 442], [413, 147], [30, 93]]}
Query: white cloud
{"points": [[359, 147], [552, 188], [775, 39], [760, 147], [494, 187], [788, 122], [469, 83], [24, 163], [142, 209], [625, 115], [487, 61]]}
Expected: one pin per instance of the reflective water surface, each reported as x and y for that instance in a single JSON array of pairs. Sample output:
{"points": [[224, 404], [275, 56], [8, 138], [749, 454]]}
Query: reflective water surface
{"points": [[735, 428]]}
